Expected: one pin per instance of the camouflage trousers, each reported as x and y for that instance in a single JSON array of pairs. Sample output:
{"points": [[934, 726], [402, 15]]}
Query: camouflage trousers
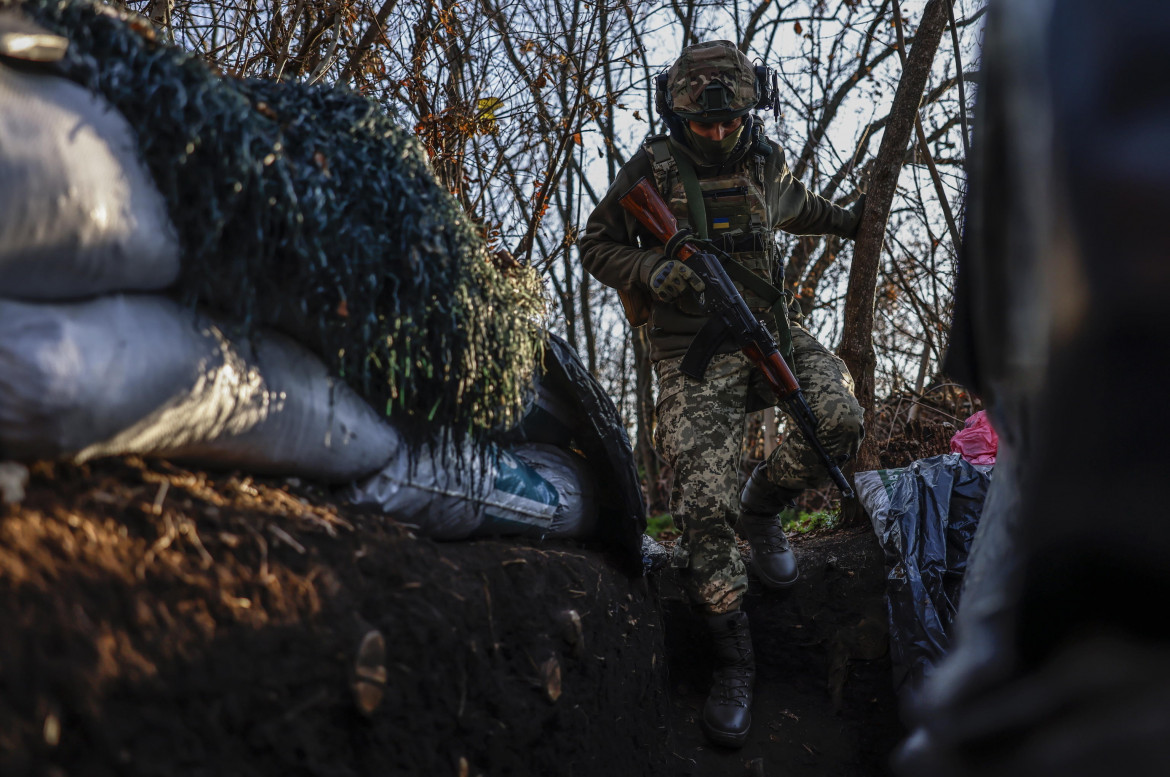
{"points": [[700, 433]]}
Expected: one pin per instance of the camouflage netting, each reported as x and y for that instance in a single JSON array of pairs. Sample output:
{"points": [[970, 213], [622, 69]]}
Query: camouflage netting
{"points": [[309, 209]]}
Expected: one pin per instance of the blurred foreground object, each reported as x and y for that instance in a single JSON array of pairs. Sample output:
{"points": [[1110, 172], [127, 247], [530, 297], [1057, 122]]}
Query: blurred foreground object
{"points": [[1062, 663], [22, 40]]}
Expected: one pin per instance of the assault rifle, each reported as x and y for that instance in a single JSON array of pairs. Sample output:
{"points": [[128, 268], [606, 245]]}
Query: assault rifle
{"points": [[730, 317]]}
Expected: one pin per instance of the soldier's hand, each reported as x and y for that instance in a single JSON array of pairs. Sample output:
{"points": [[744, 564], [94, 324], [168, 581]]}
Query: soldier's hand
{"points": [[671, 278], [857, 210]]}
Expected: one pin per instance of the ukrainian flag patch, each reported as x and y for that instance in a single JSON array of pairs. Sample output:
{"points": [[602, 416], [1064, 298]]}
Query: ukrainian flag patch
{"points": [[721, 222]]}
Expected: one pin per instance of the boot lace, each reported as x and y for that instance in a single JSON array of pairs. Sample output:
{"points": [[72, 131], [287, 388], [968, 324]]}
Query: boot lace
{"points": [[732, 685], [765, 531], [734, 677]]}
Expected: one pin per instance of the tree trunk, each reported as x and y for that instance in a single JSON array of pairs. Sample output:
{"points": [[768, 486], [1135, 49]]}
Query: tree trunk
{"points": [[920, 381], [857, 336], [585, 293], [647, 456]]}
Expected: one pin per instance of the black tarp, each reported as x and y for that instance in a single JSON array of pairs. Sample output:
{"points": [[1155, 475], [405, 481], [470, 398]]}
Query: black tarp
{"points": [[926, 536], [582, 416]]}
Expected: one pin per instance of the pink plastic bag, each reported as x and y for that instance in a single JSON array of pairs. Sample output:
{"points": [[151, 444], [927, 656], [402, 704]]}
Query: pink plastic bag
{"points": [[976, 442]]}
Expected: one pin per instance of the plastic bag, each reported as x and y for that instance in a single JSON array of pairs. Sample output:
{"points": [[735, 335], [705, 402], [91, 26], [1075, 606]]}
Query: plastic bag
{"points": [[531, 490], [79, 212], [977, 441], [874, 489], [655, 555], [926, 534]]}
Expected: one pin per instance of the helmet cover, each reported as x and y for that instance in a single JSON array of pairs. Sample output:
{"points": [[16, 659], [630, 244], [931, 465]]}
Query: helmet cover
{"points": [[712, 82]]}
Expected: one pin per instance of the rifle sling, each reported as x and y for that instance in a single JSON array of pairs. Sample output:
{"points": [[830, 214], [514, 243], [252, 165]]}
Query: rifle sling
{"points": [[695, 204], [770, 294]]}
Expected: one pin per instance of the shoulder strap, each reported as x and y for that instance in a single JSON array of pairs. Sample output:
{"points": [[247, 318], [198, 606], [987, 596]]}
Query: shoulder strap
{"points": [[665, 166], [695, 204], [657, 147], [761, 150]]}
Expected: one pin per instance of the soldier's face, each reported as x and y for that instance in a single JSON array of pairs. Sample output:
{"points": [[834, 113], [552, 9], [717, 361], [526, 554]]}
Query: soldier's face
{"points": [[717, 130]]}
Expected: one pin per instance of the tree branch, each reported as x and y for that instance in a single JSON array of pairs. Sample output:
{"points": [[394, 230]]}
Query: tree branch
{"points": [[367, 41]]}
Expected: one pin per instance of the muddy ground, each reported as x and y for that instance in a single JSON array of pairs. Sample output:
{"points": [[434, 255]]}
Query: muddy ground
{"points": [[164, 621]]}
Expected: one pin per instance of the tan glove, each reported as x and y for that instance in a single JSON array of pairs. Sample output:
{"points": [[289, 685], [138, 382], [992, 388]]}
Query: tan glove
{"points": [[671, 278]]}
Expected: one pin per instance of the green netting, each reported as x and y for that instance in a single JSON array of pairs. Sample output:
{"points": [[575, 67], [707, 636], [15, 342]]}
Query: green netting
{"points": [[310, 209]]}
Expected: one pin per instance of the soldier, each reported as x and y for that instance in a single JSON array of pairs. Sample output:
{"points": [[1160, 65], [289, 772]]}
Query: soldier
{"points": [[727, 183]]}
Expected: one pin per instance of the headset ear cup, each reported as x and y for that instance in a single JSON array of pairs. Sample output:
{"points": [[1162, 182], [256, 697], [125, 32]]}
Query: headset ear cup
{"points": [[762, 72], [775, 97], [660, 84]]}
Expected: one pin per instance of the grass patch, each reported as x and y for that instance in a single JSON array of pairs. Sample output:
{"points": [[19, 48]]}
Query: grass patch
{"points": [[803, 523], [661, 527]]}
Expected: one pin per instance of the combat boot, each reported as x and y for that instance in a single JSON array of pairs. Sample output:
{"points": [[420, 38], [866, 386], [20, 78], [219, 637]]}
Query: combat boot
{"points": [[761, 504], [727, 715]]}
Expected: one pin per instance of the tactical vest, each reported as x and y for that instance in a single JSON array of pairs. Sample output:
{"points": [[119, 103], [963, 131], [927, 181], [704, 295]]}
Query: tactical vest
{"points": [[738, 222]]}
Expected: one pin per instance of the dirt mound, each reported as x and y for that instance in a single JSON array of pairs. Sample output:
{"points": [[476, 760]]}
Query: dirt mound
{"points": [[163, 621], [168, 621]]}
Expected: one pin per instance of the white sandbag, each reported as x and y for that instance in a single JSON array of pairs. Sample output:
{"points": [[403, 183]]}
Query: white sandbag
{"points": [[532, 490], [79, 212], [143, 375]]}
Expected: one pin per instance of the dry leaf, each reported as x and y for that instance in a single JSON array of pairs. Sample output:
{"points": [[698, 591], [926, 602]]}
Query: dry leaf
{"points": [[550, 675]]}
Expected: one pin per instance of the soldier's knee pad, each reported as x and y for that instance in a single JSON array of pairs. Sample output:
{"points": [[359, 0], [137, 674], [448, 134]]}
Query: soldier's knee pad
{"points": [[844, 439]]}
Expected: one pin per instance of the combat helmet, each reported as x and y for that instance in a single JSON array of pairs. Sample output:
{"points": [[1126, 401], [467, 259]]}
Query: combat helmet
{"points": [[711, 82]]}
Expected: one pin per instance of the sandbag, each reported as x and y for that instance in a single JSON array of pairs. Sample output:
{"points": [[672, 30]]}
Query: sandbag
{"points": [[144, 375], [79, 212], [311, 209], [530, 489]]}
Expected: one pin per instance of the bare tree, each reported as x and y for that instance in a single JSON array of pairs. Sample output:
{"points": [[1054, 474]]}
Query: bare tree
{"points": [[857, 337]]}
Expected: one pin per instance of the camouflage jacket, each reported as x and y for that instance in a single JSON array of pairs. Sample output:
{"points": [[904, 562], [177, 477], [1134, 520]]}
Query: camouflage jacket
{"points": [[620, 253]]}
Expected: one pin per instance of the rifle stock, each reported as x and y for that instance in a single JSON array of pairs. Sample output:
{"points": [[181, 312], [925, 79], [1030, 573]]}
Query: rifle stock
{"points": [[646, 205], [726, 305]]}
